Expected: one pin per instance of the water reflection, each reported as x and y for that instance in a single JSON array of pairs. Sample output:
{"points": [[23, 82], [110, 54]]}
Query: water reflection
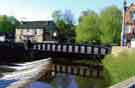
{"points": [[65, 81], [6, 83], [39, 85], [60, 81]]}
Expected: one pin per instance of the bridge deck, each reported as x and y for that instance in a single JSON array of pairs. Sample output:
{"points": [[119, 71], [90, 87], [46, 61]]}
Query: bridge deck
{"points": [[71, 49]]}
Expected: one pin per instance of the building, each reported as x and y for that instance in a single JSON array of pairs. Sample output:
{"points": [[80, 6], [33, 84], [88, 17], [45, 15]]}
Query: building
{"points": [[128, 31], [36, 31]]}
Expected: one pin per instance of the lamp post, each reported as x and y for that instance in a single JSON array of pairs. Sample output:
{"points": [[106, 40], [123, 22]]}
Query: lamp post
{"points": [[54, 35], [123, 39]]}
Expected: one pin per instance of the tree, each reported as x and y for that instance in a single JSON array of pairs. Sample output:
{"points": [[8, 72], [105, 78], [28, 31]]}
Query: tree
{"points": [[8, 23], [85, 13], [64, 22], [88, 28], [110, 25]]}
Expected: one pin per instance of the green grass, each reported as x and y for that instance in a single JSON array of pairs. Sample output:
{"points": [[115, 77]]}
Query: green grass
{"points": [[116, 69], [120, 67]]}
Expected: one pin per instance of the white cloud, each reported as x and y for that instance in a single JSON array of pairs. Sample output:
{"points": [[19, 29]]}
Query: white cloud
{"points": [[33, 14], [26, 12]]}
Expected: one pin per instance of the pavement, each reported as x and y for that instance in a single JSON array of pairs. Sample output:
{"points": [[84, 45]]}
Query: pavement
{"points": [[129, 83], [117, 50]]}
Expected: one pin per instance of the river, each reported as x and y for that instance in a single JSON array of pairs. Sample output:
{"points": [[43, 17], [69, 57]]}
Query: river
{"points": [[60, 80]]}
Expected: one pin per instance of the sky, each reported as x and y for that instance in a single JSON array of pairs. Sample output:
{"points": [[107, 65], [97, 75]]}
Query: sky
{"points": [[43, 9]]}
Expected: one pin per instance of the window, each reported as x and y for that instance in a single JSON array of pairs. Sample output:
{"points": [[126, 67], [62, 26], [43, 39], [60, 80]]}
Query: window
{"points": [[39, 31], [24, 30], [2, 38], [127, 29], [132, 16], [29, 32]]}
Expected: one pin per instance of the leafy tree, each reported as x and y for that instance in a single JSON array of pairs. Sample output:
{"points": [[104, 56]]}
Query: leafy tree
{"points": [[110, 25], [88, 28], [8, 24], [64, 22], [85, 13]]}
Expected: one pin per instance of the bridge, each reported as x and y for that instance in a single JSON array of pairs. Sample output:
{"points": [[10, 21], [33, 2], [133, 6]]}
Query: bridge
{"points": [[19, 52], [70, 50]]}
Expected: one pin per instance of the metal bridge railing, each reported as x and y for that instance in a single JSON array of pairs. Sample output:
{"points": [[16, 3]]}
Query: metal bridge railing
{"points": [[72, 48]]}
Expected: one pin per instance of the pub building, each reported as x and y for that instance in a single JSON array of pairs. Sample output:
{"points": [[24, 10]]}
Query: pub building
{"points": [[36, 31]]}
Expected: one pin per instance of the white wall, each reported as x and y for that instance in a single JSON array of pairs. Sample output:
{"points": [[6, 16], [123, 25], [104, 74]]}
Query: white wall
{"points": [[133, 43]]}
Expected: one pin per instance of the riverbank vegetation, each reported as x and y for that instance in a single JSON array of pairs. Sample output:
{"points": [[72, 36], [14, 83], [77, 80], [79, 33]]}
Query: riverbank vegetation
{"points": [[120, 67], [116, 69]]}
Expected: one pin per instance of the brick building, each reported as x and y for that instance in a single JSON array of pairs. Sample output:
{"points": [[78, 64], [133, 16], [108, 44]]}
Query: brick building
{"points": [[128, 31]]}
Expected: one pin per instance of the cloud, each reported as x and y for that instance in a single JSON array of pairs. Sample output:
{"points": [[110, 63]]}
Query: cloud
{"points": [[28, 13], [25, 12], [33, 14]]}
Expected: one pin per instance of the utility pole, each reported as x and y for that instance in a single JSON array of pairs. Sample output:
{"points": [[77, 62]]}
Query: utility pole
{"points": [[123, 37]]}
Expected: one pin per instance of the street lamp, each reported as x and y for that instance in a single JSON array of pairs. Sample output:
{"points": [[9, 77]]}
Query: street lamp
{"points": [[54, 35], [123, 42]]}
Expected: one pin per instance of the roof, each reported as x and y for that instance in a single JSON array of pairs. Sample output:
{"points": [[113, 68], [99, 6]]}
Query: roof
{"points": [[35, 24]]}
